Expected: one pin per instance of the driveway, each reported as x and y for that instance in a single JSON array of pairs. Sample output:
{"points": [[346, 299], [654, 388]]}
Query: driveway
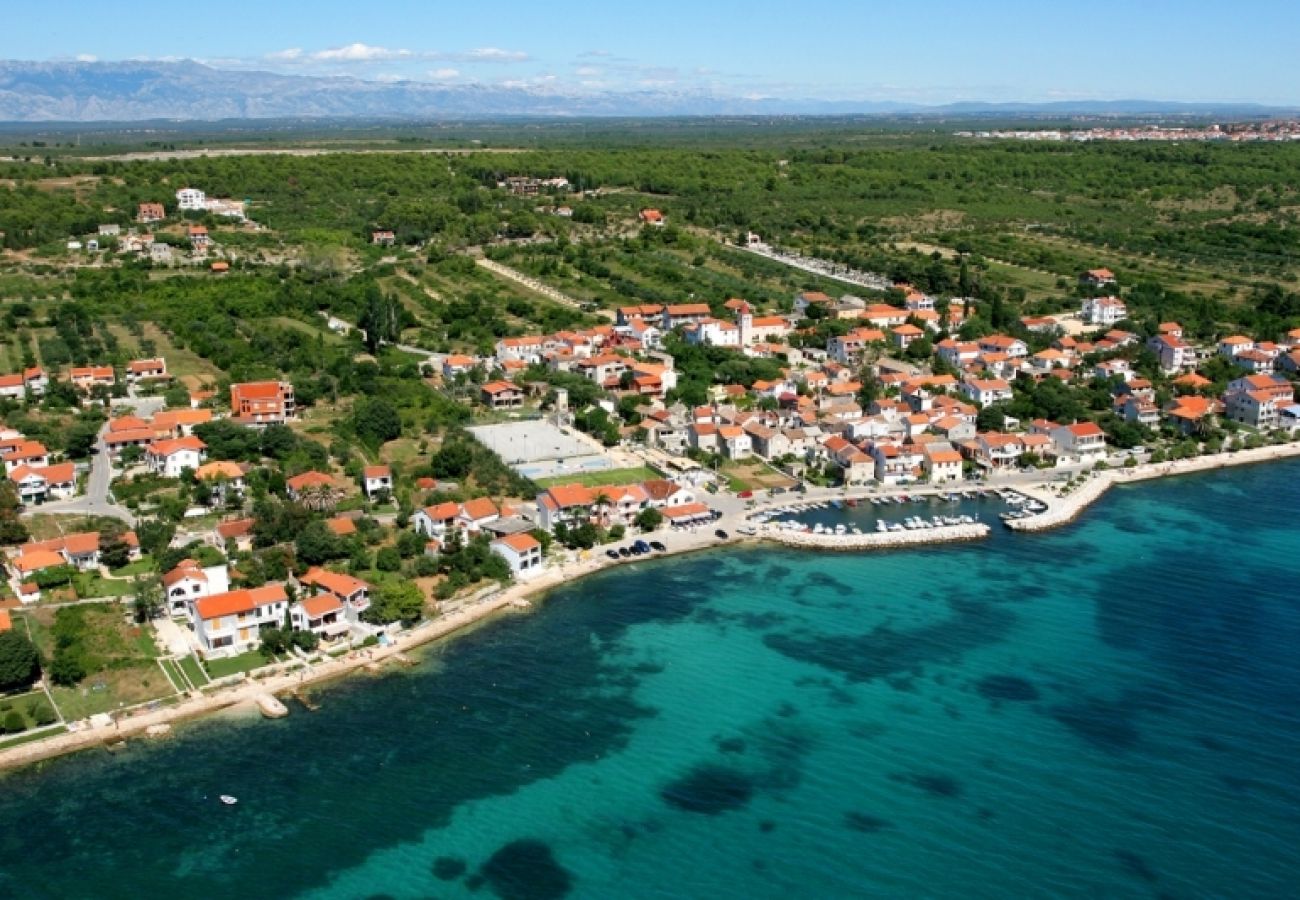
{"points": [[173, 636]]}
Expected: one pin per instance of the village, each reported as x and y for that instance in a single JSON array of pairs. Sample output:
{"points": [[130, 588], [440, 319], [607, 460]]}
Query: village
{"points": [[230, 566]]}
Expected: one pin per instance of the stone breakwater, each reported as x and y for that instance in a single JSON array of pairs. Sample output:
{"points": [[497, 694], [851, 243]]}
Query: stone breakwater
{"points": [[1063, 510], [878, 540]]}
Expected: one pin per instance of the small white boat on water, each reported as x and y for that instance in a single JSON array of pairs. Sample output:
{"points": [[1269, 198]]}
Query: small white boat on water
{"points": [[229, 800]]}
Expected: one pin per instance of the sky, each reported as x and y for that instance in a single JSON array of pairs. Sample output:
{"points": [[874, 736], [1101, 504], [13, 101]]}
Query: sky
{"points": [[936, 52]]}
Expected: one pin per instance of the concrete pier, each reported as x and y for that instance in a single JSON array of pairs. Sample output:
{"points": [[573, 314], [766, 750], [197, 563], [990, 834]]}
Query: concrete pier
{"points": [[876, 540]]}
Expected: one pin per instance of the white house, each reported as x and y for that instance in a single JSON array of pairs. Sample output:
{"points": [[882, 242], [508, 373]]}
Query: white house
{"points": [[223, 477], [434, 521], [377, 479], [354, 592], [1233, 346], [171, 457], [192, 199], [1173, 351], [985, 391], [1104, 311], [476, 513], [189, 581], [229, 624], [942, 463], [37, 484], [1084, 440], [522, 552]]}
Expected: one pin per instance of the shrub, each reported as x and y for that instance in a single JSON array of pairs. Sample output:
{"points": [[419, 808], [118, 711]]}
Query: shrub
{"points": [[68, 667]]}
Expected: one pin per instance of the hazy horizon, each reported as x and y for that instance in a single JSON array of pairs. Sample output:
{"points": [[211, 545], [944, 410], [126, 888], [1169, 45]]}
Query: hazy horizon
{"points": [[1007, 51]]}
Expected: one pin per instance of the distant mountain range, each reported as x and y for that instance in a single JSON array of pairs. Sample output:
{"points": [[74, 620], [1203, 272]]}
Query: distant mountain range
{"points": [[190, 91]]}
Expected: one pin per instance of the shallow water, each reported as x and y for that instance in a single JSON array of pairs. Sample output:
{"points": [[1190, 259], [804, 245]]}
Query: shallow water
{"points": [[1107, 710]]}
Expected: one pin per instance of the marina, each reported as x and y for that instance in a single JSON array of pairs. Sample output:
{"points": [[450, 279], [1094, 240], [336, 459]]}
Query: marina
{"points": [[921, 511]]}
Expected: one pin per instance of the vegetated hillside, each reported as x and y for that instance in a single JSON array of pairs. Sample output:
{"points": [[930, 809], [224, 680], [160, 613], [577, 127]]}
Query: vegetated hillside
{"points": [[1197, 228]]}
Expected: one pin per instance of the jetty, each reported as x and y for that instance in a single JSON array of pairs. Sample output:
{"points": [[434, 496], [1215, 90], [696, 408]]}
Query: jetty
{"points": [[271, 706], [880, 540]]}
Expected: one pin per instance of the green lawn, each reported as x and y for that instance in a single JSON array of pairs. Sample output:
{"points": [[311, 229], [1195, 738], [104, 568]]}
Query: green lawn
{"points": [[28, 737], [736, 485], [190, 666], [233, 665], [173, 672], [596, 479], [33, 708], [89, 585], [141, 566]]}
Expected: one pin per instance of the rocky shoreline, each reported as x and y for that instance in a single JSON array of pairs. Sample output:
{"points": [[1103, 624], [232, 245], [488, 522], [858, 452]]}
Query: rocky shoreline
{"points": [[1063, 510]]}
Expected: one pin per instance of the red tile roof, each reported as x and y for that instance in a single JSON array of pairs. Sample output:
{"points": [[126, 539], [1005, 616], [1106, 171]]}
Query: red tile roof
{"points": [[233, 602], [520, 543]]}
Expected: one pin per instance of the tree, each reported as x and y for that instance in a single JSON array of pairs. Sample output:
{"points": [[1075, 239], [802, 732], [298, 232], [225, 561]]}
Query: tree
{"points": [[274, 641], [453, 460], [395, 601], [316, 544], [154, 535], [148, 603], [991, 418], [114, 551], [68, 667], [376, 421], [12, 529], [388, 559], [81, 439], [648, 519], [9, 502], [381, 319], [410, 544], [20, 664], [178, 395]]}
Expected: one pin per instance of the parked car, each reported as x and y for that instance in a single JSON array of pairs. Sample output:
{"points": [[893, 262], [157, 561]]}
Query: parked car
{"points": [[612, 554], [721, 535], [657, 547]]}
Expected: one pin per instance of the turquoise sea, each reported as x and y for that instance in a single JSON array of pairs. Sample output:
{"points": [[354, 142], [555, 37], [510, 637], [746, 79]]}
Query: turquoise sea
{"points": [[1109, 710]]}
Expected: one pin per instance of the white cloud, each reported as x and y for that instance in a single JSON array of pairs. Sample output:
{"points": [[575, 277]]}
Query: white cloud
{"points": [[586, 71], [359, 52], [443, 74], [496, 54], [87, 57]]}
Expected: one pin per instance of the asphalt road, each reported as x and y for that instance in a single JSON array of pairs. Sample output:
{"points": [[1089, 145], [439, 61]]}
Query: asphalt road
{"points": [[96, 500]]}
